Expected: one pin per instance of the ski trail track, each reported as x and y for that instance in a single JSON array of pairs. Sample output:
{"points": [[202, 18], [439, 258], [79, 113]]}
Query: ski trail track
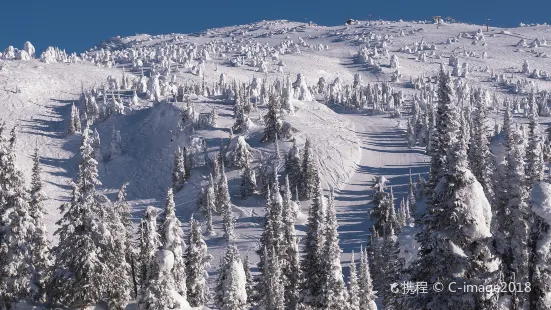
{"points": [[384, 153]]}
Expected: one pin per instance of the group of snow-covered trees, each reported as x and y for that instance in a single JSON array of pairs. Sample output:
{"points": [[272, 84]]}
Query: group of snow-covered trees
{"points": [[215, 198], [25, 252], [97, 259], [480, 226], [377, 96]]}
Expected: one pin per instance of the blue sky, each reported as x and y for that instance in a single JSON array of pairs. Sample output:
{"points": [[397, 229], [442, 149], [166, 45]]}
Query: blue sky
{"points": [[77, 25]]}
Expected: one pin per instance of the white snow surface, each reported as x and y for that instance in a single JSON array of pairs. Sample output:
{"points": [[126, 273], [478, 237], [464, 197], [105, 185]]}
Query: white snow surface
{"points": [[351, 146]]}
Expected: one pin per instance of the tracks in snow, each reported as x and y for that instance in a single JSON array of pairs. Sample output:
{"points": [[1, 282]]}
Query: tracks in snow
{"points": [[384, 152]]}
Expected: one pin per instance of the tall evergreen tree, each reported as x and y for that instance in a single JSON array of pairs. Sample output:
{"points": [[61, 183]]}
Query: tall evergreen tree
{"points": [[196, 261], [274, 298], [225, 207], [172, 239], [188, 162], [353, 286], [84, 246], [17, 229], [74, 121], [367, 295], [454, 242], [123, 209], [312, 264], [119, 283], [179, 170], [411, 198], [446, 124], [249, 286], [40, 245], [293, 165], [248, 181], [290, 250], [231, 291], [480, 157], [210, 205], [272, 120], [272, 236], [391, 268], [149, 243], [161, 290], [334, 294], [533, 151], [308, 180], [540, 260], [518, 219], [383, 214]]}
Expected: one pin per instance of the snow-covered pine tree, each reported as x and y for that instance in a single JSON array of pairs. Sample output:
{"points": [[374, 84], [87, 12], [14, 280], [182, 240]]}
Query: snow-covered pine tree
{"points": [[540, 273], [312, 263], [383, 213], [249, 286], [224, 205], [74, 121], [499, 230], [161, 291], [149, 243], [293, 167], [81, 265], [272, 120], [334, 295], [454, 242], [231, 292], [123, 209], [272, 235], [410, 134], [213, 117], [17, 228], [480, 157], [286, 97], [241, 117], [115, 146], [248, 181], [411, 198], [533, 159], [518, 218], [309, 171], [273, 295], [40, 245], [353, 286], [188, 162], [95, 143], [119, 283], [366, 294], [391, 269], [445, 117], [290, 250], [179, 170], [197, 259], [401, 214], [210, 206], [241, 154], [172, 239]]}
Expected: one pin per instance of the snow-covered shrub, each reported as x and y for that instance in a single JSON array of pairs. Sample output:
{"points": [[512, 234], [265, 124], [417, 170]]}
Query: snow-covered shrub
{"points": [[29, 48], [301, 91], [394, 62], [9, 53]]}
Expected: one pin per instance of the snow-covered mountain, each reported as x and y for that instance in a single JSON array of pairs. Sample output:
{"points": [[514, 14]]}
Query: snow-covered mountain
{"points": [[362, 94]]}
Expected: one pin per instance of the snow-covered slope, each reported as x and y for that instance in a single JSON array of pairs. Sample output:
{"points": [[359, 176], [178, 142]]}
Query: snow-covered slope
{"points": [[352, 146]]}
